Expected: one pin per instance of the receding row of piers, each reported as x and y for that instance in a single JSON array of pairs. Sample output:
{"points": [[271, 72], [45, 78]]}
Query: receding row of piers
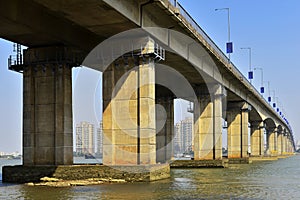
{"points": [[136, 130], [138, 115]]}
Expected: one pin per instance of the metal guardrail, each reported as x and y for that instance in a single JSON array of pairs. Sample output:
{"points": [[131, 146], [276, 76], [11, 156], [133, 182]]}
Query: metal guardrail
{"points": [[197, 27]]}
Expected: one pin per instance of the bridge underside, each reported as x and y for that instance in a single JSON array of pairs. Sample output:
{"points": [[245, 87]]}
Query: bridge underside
{"points": [[137, 132]]}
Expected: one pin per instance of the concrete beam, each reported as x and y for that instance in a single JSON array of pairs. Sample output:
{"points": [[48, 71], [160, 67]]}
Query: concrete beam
{"points": [[32, 20]]}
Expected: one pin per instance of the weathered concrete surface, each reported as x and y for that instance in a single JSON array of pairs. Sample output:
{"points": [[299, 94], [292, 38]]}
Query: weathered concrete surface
{"points": [[47, 107], [164, 143], [141, 173], [199, 163], [237, 119], [257, 139], [279, 143], [129, 125], [208, 125], [263, 158], [273, 143], [246, 160]]}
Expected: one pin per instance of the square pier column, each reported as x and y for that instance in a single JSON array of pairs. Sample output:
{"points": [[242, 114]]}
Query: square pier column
{"points": [[129, 125], [279, 143], [257, 139], [289, 145], [237, 120], [208, 124], [284, 142], [165, 130], [272, 142], [47, 107]]}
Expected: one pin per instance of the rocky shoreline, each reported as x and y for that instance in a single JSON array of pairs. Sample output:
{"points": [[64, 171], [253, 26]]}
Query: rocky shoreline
{"points": [[54, 182]]}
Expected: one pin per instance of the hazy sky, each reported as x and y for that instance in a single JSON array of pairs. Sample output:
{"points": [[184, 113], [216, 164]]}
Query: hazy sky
{"points": [[270, 27]]}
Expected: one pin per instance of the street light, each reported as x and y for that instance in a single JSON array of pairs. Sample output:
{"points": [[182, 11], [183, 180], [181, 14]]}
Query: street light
{"points": [[269, 92], [250, 73], [274, 99], [229, 45], [262, 89], [278, 105]]}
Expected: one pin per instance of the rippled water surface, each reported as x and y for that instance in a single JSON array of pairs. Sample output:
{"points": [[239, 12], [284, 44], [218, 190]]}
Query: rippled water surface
{"points": [[261, 180]]}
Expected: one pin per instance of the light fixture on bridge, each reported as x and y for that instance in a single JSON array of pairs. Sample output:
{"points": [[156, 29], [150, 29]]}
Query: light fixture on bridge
{"points": [[262, 88], [229, 47], [269, 92], [250, 73], [274, 99], [229, 44], [269, 99]]}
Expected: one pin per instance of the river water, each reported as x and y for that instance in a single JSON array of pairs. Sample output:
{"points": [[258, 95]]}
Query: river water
{"points": [[259, 180]]}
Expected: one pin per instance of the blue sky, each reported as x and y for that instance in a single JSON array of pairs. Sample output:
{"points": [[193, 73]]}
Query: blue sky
{"points": [[270, 27]]}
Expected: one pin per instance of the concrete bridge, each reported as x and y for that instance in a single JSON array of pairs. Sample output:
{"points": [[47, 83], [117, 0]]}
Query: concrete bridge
{"points": [[150, 52]]}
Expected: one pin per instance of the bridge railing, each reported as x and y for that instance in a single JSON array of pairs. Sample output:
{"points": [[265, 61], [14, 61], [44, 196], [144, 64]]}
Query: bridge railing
{"points": [[197, 27]]}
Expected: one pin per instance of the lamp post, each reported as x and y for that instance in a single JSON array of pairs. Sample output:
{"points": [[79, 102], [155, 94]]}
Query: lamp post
{"points": [[262, 89], [229, 45], [250, 73], [278, 105], [269, 92], [274, 99]]}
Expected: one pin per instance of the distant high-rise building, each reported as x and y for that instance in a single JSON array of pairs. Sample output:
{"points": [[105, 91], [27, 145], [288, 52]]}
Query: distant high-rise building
{"points": [[183, 139], [178, 147], [85, 141], [100, 139]]}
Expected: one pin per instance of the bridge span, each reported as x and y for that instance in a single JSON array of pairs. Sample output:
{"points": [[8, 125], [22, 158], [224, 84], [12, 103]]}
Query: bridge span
{"points": [[150, 53]]}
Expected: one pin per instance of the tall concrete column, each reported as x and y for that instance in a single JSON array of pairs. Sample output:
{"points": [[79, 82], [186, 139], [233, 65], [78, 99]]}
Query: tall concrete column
{"points": [[47, 107], [284, 143], [129, 112], [289, 145], [208, 125], [279, 142], [257, 138], [272, 142], [237, 120], [165, 129]]}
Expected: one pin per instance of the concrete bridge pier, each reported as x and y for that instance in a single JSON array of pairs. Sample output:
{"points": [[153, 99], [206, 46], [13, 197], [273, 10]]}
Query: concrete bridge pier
{"points": [[208, 115], [47, 106], [129, 113], [279, 142], [208, 125], [289, 146], [257, 139], [272, 142], [47, 112], [237, 120], [284, 143], [165, 133]]}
